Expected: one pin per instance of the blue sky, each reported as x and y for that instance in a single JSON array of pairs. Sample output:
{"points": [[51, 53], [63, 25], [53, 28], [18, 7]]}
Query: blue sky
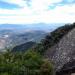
{"points": [[37, 11]]}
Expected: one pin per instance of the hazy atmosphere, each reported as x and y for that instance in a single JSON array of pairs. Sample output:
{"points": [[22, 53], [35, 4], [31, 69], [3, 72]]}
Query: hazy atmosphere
{"points": [[37, 11]]}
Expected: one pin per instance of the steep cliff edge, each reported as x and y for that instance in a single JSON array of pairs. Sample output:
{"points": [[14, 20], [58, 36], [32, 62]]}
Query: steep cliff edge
{"points": [[63, 51]]}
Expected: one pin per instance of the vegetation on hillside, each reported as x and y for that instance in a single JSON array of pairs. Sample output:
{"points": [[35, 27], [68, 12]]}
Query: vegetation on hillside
{"points": [[23, 47], [28, 63], [53, 38]]}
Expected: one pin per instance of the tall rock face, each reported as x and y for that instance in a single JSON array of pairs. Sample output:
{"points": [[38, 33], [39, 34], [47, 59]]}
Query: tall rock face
{"points": [[64, 51]]}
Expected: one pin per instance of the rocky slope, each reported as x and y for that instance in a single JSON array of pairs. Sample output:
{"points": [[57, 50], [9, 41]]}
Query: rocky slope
{"points": [[64, 51]]}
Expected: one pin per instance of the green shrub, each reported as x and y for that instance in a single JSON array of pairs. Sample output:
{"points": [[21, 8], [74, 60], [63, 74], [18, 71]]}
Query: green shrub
{"points": [[28, 63]]}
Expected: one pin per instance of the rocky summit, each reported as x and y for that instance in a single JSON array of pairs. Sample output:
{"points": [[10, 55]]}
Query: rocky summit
{"points": [[64, 51]]}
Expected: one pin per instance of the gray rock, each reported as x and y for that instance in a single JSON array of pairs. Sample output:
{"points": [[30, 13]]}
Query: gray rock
{"points": [[64, 51]]}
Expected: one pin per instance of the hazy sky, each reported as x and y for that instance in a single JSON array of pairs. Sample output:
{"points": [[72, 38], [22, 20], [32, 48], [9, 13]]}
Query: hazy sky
{"points": [[37, 11]]}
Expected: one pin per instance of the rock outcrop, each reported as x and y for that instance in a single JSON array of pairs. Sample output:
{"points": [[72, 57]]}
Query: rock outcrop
{"points": [[64, 51]]}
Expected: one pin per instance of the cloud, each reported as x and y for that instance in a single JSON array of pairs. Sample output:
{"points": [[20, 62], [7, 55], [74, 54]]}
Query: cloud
{"points": [[19, 19], [17, 2], [37, 12], [39, 5], [6, 5], [70, 1], [33, 2], [16, 12], [62, 14]]}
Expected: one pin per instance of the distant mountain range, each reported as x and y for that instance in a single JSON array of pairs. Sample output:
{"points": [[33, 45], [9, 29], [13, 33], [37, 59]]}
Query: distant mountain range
{"points": [[39, 26], [13, 35]]}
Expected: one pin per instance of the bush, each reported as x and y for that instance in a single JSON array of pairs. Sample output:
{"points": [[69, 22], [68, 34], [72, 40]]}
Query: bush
{"points": [[28, 63]]}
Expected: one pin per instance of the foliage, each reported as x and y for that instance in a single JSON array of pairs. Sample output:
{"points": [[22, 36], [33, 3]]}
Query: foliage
{"points": [[28, 63]]}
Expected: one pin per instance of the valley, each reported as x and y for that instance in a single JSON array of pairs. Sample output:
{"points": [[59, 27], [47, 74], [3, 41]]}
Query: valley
{"points": [[12, 35]]}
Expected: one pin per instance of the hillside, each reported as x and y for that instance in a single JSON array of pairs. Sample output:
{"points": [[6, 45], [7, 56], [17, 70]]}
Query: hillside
{"points": [[23, 47], [53, 37], [53, 54], [64, 51], [11, 38]]}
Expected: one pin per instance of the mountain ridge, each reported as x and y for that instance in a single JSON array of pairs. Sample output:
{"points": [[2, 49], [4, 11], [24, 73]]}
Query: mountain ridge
{"points": [[23, 47], [64, 51]]}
